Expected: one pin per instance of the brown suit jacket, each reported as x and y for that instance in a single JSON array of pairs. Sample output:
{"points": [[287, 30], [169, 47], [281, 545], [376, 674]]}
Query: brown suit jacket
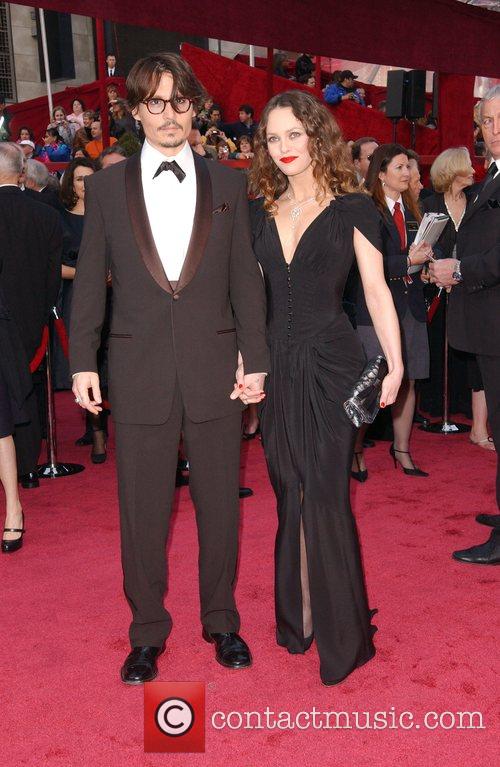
{"points": [[160, 335]]}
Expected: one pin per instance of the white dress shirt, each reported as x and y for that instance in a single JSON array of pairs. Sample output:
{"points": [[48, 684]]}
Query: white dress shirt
{"points": [[390, 204], [170, 205]]}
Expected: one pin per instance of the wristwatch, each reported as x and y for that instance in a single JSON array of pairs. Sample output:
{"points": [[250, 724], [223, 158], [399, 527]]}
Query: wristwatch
{"points": [[457, 274]]}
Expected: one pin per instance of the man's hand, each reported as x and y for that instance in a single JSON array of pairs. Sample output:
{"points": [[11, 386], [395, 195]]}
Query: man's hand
{"points": [[441, 272], [82, 382], [248, 388]]}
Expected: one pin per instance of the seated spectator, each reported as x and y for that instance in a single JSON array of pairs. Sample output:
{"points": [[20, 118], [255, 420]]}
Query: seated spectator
{"points": [[28, 148], [65, 129], [344, 90], [82, 138], [25, 134], [362, 150], [279, 64], [88, 118], [112, 93], [215, 117], [245, 125], [121, 121], [5, 118], [76, 116], [214, 135], [95, 146], [203, 116], [197, 145], [304, 67], [245, 149], [110, 156], [54, 149], [223, 150], [80, 153]]}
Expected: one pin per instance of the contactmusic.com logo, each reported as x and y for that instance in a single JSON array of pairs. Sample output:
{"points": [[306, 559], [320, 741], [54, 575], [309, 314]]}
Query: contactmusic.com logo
{"points": [[174, 717]]}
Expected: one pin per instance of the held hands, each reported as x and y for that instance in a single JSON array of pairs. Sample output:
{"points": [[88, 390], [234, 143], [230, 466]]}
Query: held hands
{"points": [[390, 387], [248, 388], [420, 253], [441, 272], [82, 382]]}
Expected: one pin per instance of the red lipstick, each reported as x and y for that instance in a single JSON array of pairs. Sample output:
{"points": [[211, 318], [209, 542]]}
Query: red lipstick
{"points": [[288, 159]]}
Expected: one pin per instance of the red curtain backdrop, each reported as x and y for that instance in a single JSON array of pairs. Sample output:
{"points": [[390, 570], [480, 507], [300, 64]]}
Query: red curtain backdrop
{"points": [[440, 35]]}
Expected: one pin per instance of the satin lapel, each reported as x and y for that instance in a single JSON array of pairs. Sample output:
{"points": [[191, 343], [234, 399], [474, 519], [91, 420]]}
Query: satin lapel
{"points": [[201, 224], [140, 222], [484, 194]]}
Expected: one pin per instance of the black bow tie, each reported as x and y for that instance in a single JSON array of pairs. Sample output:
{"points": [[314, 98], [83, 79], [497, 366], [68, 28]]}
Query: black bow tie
{"points": [[174, 167]]}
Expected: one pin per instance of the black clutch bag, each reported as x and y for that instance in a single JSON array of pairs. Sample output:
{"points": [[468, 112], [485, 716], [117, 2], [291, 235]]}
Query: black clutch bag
{"points": [[364, 402]]}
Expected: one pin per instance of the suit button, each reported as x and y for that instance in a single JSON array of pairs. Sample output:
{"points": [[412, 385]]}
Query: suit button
{"points": [[176, 296]]}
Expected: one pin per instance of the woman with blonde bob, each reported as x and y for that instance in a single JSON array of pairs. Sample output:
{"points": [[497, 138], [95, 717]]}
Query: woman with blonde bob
{"points": [[452, 176], [310, 222]]}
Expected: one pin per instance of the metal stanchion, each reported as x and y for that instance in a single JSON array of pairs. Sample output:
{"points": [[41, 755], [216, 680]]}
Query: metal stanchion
{"points": [[445, 426], [53, 469]]}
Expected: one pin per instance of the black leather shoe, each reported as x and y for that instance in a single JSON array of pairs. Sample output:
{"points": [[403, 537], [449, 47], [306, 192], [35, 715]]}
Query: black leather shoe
{"points": [[231, 650], [485, 554], [8, 547], [492, 520], [30, 480], [246, 492], [140, 665]]}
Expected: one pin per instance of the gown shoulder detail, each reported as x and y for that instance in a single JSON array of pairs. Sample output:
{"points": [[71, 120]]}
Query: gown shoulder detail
{"points": [[257, 216], [361, 213]]}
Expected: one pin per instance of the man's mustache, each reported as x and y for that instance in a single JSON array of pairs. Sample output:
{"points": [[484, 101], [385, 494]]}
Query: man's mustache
{"points": [[170, 124]]}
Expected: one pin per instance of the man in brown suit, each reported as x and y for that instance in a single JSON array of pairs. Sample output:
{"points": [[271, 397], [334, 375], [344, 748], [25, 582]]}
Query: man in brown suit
{"points": [[188, 314]]}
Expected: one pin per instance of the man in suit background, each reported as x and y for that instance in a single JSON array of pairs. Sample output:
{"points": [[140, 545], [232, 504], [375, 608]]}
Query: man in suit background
{"points": [[111, 68], [31, 242], [474, 307], [188, 313]]}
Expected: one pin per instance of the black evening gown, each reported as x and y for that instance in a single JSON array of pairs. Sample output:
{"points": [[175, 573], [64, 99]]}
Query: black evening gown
{"points": [[316, 357]]}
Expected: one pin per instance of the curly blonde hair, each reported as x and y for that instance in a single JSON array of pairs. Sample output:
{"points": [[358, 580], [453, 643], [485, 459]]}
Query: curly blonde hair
{"points": [[333, 169]]}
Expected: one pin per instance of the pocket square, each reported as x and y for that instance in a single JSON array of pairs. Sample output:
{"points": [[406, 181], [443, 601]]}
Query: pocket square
{"points": [[222, 208]]}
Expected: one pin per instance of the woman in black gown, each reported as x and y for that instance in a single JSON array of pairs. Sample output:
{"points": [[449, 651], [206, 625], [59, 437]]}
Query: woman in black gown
{"points": [[15, 387], [308, 226]]}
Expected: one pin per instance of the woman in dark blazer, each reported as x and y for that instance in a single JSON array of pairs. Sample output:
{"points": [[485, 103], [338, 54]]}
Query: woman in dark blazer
{"points": [[452, 176], [387, 180], [15, 387]]}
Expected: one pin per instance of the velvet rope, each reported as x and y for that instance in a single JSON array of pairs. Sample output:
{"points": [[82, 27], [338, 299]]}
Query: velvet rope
{"points": [[40, 352]]}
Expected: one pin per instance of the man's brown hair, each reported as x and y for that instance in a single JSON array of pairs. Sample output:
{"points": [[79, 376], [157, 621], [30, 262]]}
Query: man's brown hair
{"points": [[144, 78]]}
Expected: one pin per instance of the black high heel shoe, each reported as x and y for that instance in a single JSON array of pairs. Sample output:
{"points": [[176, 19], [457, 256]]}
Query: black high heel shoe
{"points": [[411, 472], [361, 474], [98, 457], [9, 546]]}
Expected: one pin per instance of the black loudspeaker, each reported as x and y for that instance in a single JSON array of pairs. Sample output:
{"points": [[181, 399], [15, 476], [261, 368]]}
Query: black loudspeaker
{"points": [[396, 90], [415, 94]]}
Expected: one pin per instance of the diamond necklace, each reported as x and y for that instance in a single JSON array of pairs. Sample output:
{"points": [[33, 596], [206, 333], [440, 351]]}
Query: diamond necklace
{"points": [[297, 209]]}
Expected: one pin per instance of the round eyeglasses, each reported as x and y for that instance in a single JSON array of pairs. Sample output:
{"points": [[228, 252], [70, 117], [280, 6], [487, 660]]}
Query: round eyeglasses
{"points": [[179, 104]]}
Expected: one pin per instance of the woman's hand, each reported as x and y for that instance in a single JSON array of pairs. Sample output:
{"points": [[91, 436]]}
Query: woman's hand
{"points": [[390, 387], [420, 253]]}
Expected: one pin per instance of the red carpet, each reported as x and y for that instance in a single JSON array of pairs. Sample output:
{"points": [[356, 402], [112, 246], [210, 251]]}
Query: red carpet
{"points": [[64, 624]]}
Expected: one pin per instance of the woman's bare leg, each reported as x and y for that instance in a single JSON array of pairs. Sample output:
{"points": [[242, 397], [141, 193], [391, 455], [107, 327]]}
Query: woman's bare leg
{"points": [[8, 478]]}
